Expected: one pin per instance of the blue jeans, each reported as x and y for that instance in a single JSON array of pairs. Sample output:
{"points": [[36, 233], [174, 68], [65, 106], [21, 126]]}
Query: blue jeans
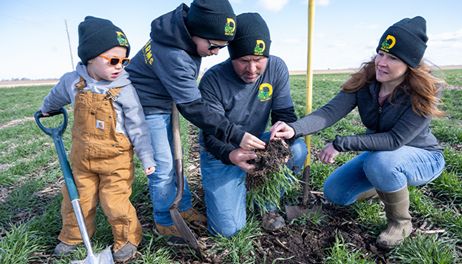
{"points": [[225, 192], [386, 171], [162, 183]]}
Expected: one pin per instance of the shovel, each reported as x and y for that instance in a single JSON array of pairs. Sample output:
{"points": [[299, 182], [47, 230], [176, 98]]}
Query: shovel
{"points": [[178, 220], [294, 211], [105, 257]]}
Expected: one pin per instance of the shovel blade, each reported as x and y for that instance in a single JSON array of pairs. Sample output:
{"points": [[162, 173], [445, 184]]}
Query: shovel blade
{"points": [[183, 228], [294, 211], [104, 257]]}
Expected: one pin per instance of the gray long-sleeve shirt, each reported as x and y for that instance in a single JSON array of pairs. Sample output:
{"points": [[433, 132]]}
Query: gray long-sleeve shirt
{"points": [[389, 127], [130, 117]]}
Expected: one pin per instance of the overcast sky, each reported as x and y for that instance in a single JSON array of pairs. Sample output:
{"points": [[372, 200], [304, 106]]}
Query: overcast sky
{"points": [[34, 41]]}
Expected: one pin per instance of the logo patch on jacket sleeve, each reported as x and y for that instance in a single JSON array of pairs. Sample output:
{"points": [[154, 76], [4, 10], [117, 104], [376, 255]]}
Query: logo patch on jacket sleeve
{"points": [[265, 91], [147, 53]]}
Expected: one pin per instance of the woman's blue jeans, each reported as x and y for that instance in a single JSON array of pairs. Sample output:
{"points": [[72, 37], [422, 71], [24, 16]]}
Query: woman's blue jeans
{"points": [[225, 192], [386, 171], [162, 183]]}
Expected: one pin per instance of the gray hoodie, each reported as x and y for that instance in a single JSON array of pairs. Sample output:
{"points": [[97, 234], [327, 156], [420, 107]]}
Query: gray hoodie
{"points": [[389, 127], [130, 118]]}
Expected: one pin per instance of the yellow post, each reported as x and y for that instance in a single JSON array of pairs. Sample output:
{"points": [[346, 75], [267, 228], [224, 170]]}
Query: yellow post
{"points": [[309, 75]]}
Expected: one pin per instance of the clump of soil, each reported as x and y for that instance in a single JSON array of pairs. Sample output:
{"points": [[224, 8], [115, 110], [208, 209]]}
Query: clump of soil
{"points": [[268, 161]]}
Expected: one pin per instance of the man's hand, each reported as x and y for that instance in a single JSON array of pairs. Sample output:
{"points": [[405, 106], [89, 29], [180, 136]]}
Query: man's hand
{"points": [[281, 130], [240, 157], [251, 142], [328, 154]]}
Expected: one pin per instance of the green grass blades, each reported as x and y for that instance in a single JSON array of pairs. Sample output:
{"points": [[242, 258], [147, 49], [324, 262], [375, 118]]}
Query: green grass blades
{"points": [[152, 252], [426, 249], [313, 216], [343, 253], [18, 245], [268, 195], [238, 248]]}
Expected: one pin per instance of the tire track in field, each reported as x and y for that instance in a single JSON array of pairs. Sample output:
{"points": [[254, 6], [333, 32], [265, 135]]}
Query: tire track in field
{"points": [[16, 122]]}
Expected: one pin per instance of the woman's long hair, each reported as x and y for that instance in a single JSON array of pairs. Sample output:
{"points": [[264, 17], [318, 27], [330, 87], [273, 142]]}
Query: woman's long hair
{"points": [[419, 83]]}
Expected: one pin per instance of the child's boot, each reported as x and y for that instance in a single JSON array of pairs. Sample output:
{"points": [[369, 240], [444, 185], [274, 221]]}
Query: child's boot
{"points": [[125, 253], [63, 249]]}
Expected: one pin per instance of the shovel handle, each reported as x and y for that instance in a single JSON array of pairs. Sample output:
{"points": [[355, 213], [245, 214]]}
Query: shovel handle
{"points": [[306, 185], [178, 156], [56, 134], [48, 130]]}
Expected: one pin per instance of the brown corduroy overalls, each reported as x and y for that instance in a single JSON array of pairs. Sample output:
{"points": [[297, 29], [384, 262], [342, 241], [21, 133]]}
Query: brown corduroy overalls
{"points": [[102, 165]]}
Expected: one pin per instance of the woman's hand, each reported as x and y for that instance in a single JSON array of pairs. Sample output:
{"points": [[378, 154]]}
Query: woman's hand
{"points": [[240, 157], [328, 154], [251, 142], [149, 170], [281, 130]]}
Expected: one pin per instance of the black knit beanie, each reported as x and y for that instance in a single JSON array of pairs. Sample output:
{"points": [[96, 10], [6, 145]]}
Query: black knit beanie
{"points": [[97, 35], [252, 37], [211, 19], [406, 39]]}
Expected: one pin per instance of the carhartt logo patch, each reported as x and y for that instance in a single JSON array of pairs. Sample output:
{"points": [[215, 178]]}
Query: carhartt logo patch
{"points": [[230, 27], [122, 39], [100, 124], [388, 43], [265, 91], [259, 47]]}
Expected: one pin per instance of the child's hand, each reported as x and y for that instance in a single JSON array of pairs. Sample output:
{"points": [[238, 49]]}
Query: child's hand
{"points": [[149, 170]]}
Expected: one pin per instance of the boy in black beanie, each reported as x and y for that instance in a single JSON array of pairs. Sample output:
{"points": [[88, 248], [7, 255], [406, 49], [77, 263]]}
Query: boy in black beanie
{"points": [[165, 71], [249, 87], [108, 123]]}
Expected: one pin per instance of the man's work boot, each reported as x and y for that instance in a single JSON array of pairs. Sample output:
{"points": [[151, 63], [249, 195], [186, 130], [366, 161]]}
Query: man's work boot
{"points": [[125, 253], [193, 216], [172, 234], [398, 217], [369, 194], [63, 249], [272, 221]]}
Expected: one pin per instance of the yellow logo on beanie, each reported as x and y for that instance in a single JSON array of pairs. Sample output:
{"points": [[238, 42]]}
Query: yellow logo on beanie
{"points": [[122, 39], [265, 91], [388, 43], [259, 47], [230, 26]]}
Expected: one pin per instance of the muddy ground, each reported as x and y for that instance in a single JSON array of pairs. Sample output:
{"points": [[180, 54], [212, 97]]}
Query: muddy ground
{"points": [[298, 242]]}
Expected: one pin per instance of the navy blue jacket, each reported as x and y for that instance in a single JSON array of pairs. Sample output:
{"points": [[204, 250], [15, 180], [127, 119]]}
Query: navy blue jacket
{"points": [[166, 70], [248, 105]]}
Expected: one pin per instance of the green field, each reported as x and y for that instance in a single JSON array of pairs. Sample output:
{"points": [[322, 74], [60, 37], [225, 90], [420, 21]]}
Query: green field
{"points": [[30, 180]]}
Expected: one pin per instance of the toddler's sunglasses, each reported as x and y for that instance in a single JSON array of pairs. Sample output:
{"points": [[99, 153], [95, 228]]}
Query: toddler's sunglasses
{"points": [[213, 46], [116, 60]]}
